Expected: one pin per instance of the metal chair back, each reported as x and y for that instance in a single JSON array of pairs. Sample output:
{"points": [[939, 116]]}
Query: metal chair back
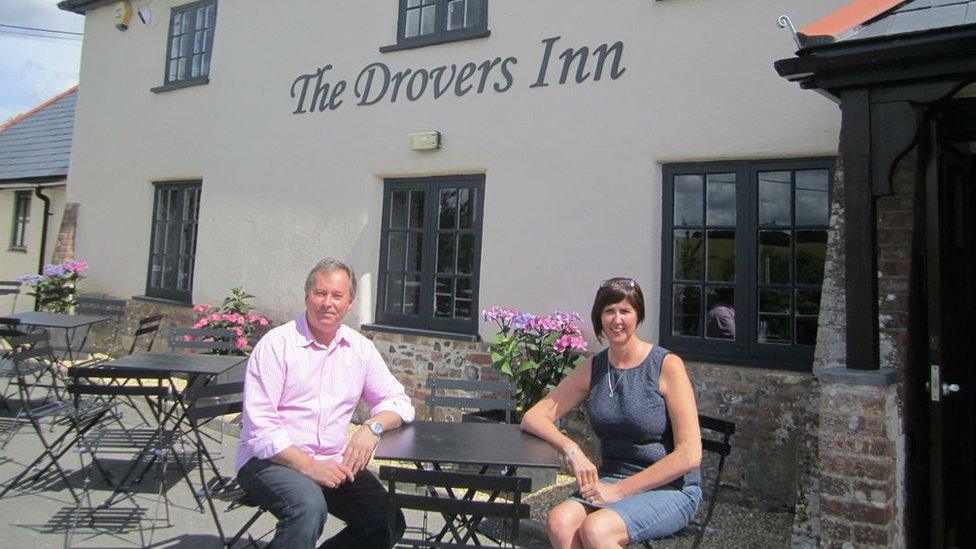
{"points": [[145, 332], [11, 287], [452, 495], [98, 306], [202, 339], [463, 399]]}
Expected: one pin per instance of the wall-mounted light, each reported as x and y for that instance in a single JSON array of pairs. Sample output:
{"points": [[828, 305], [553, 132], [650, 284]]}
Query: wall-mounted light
{"points": [[123, 15], [424, 141]]}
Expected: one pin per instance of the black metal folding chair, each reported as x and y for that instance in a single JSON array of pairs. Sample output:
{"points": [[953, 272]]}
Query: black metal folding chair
{"points": [[107, 345], [207, 404], [716, 436], [202, 340], [455, 501], [11, 287], [144, 335], [469, 395], [31, 358]]}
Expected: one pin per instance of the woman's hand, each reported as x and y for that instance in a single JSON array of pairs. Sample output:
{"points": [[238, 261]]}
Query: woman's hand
{"points": [[600, 493], [583, 469]]}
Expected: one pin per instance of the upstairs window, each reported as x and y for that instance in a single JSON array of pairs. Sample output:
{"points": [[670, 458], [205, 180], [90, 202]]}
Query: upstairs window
{"points": [[18, 237], [743, 260], [191, 32], [426, 22]]}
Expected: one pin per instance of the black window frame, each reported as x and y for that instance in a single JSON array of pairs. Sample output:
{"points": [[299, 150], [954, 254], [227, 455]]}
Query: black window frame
{"points": [[160, 291], [204, 76], [21, 219], [426, 319], [440, 35], [744, 350]]}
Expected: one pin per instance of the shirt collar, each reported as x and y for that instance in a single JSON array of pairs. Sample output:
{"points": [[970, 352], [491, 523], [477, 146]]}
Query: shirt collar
{"points": [[305, 337]]}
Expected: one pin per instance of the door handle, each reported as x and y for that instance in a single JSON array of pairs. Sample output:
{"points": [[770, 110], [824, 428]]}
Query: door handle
{"points": [[950, 388]]}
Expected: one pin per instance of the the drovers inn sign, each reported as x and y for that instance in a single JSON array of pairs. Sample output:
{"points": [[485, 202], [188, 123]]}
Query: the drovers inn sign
{"points": [[376, 82]]}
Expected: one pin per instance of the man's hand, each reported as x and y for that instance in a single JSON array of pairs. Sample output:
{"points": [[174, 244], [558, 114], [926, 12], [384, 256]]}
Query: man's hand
{"points": [[329, 473], [360, 449]]}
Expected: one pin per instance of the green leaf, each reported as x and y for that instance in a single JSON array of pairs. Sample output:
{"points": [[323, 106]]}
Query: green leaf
{"points": [[526, 366]]}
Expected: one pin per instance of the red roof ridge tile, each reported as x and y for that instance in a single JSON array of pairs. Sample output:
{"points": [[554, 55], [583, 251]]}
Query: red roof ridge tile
{"points": [[856, 13], [38, 108]]}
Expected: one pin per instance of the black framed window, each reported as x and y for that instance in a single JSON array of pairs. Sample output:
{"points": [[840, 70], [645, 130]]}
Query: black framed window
{"points": [[744, 245], [426, 22], [191, 31], [173, 244], [18, 236], [430, 253]]}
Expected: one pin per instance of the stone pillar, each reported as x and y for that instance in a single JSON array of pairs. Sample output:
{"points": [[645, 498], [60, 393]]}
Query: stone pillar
{"points": [[860, 430]]}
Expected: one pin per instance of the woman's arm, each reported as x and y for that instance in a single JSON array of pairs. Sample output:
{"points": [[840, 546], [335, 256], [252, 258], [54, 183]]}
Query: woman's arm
{"points": [[679, 398], [540, 420]]}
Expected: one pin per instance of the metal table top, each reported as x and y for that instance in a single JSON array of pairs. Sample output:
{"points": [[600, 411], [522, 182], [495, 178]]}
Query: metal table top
{"points": [[44, 319], [175, 363], [470, 443]]}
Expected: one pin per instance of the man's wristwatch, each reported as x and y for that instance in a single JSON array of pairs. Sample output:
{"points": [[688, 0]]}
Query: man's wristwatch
{"points": [[376, 427]]}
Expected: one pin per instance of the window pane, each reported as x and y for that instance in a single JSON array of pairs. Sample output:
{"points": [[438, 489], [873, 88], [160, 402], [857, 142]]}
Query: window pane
{"points": [[687, 254], [177, 23], [412, 25], [807, 311], [427, 19], [721, 199], [205, 68], [168, 272], [416, 209], [447, 214], [811, 252], [411, 295], [181, 69], [811, 197], [394, 294], [774, 198], [466, 203], [201, 13], [443, 297], [445, 253], [415, 245], [183, 278], [774, 257], [465, 263], [720, 319], [686, 310], [721, 256], [211, 12], [774, 316], [413, 3], [398, 209], [156, 271], [687, 200], [455, 14], [198, 42], [463, 298], [472, 15], [396, 257], [195, 66]]}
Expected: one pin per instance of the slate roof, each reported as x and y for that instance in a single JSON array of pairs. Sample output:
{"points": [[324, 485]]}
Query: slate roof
{"points": [[862, 19], [37, 144]]}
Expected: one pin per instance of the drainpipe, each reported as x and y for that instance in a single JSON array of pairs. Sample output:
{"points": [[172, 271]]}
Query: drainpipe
{"points": [[47, 213]]}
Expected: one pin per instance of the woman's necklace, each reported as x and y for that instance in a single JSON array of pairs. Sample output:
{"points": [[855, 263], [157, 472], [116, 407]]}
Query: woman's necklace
{"points": [[611, 383]]}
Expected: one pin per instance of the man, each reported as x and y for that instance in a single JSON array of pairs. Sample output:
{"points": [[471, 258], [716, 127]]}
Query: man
{"points": [[302, 385]]}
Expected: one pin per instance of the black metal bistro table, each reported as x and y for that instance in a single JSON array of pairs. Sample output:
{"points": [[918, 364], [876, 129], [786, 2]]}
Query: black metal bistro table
{"points": [[496, 448], [196, 369], [61, 321]]}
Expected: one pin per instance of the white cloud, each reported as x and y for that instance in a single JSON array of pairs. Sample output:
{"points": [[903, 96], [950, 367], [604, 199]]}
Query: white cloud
{"points": [[33, 70]]}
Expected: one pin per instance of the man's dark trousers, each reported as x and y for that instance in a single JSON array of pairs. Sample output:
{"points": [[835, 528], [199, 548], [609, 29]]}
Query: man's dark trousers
{"points": [[301, 506]]}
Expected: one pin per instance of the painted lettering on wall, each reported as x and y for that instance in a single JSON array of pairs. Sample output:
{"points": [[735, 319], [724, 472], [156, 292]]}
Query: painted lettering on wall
{"points": [[377, 82]]}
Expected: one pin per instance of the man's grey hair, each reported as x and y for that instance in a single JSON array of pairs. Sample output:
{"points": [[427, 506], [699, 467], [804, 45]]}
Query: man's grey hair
{"points": [[328, 265]]}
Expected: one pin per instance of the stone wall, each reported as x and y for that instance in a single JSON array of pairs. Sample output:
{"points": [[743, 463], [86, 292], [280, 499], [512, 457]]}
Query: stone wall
{"points": [[771, 409], [64, 250]]}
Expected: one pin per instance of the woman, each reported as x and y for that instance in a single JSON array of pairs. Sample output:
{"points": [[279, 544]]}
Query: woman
{"points": [[642, 408]]}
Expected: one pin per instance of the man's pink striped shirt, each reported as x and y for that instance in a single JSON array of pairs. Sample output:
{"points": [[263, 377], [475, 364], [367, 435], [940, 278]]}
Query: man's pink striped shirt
{"points": [[300, 393]]}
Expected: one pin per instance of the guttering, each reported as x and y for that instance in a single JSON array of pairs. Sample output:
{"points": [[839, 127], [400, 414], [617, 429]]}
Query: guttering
{"points": [[44, 223], [81, 6]]}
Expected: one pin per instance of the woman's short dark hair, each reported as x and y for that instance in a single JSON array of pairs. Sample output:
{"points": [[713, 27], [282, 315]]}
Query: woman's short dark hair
{"points": [[615, 290]]}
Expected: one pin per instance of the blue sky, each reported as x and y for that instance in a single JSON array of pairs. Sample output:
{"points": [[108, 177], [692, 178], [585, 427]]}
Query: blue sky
{"points": [[34, 69]]}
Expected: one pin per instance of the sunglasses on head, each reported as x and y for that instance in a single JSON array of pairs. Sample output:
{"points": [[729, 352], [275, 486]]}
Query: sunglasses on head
{"points": [[622, 282]]}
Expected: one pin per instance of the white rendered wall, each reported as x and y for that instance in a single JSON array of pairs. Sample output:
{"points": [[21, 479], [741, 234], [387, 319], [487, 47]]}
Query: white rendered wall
{"points": [[573, 171]]}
